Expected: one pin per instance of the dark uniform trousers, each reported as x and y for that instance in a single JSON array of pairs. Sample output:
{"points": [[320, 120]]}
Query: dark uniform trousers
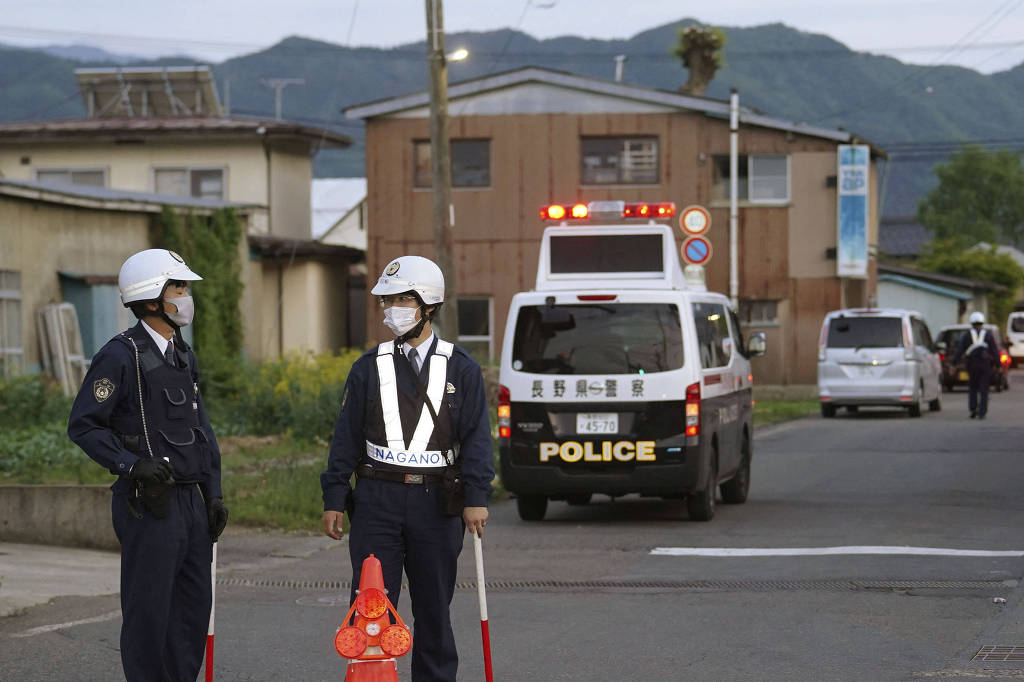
{"points": [[165, 562], [396, 521], [165, 587], [979, 376]]}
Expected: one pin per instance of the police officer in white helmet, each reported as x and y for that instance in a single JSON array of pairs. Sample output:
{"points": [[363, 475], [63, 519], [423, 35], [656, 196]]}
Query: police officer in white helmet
{"points": [[979, 348], [139, 414], [413, 427]]}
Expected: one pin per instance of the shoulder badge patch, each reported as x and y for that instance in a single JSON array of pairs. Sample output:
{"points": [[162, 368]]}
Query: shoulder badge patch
{"points": [[102, 389], [450, 388], [393, 268]]}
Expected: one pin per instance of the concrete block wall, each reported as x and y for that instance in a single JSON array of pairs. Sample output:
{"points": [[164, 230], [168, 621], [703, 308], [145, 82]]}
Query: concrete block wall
{"points": [[63, 515]]}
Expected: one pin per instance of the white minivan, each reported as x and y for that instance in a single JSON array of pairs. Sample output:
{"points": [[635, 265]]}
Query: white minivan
{"points": [[883, 357], [621, 375], [1015, 337]]}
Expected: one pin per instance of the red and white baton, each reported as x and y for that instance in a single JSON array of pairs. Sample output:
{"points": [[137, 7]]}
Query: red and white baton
{"points": [[213, 604], [485, 634]]}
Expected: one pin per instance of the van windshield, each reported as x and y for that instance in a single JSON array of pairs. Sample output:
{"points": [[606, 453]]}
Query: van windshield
{"points": [[604, 338], [865, 332], [1017, 324]]}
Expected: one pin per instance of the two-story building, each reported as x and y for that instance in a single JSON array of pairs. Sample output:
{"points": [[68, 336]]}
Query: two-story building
{"points": [[533, 136], [161, 132]]}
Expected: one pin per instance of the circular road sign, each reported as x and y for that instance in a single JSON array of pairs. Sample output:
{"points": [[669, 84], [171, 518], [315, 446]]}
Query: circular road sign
{"points": [[696, 250], [694, 220]]}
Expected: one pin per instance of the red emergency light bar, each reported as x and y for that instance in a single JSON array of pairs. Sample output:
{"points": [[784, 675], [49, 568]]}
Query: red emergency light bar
{"points": [[600, 209]]}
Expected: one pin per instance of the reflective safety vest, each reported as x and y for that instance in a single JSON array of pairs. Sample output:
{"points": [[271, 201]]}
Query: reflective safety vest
{"points": [[977, 341], [413, 453]]}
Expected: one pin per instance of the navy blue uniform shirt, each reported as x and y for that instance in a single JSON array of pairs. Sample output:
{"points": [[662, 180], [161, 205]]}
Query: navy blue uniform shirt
{"points": [[981, 358], [472, 428], [110, 394]]}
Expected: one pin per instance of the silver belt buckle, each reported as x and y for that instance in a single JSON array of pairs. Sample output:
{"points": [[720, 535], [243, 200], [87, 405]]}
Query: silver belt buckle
{"points": [[414, 478]]}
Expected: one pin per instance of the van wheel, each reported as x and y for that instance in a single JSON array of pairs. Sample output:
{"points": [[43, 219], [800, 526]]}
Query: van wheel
{"points": [[827, 410], [915, 409], [579, 500], [734, 491], [701, 505], [531, 507], [935, 405]]}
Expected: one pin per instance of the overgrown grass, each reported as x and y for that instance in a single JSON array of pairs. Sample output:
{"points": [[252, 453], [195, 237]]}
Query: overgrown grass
{"points": [[775, 411]]}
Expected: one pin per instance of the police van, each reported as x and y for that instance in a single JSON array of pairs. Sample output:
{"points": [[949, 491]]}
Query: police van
{"points": [[620, 373]]}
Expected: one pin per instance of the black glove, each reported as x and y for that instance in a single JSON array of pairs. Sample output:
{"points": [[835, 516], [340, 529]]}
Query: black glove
{"points": [[217, 515], [151, 470]]}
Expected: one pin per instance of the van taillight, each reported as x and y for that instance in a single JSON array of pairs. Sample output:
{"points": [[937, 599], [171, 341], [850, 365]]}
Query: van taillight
{"points": [[908, 342], [504, 412], [822, 340], [693, 409]]}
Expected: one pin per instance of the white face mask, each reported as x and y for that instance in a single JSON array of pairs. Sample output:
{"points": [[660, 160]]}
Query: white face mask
{"points": [[186, 310], [400, 319]]}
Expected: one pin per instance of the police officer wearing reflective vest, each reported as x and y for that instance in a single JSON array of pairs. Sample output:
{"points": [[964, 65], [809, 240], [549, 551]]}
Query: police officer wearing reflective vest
{"points": [[140, 415], [414, 429], [982, 354]]}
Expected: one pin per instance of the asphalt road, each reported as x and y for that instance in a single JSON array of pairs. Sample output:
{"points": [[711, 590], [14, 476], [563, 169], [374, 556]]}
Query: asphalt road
{"points": [[581, 596]]}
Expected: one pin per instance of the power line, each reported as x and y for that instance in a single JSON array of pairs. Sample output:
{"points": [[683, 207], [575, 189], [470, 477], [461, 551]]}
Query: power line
{"points": [[234, 47]]}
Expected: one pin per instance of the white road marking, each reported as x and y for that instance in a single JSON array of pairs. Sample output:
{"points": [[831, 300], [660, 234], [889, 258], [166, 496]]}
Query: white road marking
{"points": [[43, 629], [829, 551]]}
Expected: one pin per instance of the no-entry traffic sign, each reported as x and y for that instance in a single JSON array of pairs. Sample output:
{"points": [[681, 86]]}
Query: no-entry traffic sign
{"points": [[696, 250], [694, 220]]}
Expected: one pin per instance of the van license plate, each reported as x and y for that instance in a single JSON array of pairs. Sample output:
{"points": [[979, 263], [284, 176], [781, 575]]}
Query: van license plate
{"points": [[597, 422], [962, 376]]}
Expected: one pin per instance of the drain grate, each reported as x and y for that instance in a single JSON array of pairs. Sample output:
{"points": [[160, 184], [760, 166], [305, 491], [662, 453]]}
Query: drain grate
{"points": [[999, 653], [680, 585]]}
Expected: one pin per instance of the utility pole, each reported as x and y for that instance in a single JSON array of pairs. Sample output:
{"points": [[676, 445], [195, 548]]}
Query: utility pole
{"points": [[734, 127], [277, 85], [441, 168]]}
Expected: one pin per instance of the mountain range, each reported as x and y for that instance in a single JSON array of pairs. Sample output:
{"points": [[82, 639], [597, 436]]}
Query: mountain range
{"points": [[918, 114]]}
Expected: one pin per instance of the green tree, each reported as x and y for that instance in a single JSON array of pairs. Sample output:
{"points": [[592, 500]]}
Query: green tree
{"points": [[979, 198], [700, 50], [981, 264], [210, 245]]}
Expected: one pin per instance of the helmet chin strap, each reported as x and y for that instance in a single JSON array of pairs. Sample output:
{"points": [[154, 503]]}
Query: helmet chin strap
{"points": [[415, 331]]}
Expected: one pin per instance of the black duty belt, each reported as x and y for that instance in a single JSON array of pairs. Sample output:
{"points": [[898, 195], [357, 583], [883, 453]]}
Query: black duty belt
{"points": [[367, 471]]}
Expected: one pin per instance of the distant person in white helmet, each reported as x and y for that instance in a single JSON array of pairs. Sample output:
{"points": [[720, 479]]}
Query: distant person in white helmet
{"points": [[981, 354], [140, 415], [413, 428]]}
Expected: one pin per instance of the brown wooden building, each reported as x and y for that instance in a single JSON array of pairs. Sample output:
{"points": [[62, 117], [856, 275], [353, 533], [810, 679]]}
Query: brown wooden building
{"points": [[533, 136]]}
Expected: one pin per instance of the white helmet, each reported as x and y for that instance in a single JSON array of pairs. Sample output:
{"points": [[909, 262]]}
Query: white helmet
{"points": [[412, 273], [977, 318], [144, 275]]}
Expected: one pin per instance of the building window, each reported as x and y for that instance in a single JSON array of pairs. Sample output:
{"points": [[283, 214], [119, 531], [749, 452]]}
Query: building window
{"points": [[12, 353], [471, 163], [759, 313], [67, 176], [762, 178], [475, 325], [619, 160], [204, 183]]}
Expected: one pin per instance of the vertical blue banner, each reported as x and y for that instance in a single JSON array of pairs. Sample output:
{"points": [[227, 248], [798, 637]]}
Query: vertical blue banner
{"points": [[852, 223]]}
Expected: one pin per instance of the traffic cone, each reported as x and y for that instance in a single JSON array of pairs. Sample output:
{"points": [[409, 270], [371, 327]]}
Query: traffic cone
{"points": [[371, 642]]}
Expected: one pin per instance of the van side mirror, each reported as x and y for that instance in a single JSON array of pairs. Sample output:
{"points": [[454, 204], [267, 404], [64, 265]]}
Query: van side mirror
{"points": [[757, 344]]}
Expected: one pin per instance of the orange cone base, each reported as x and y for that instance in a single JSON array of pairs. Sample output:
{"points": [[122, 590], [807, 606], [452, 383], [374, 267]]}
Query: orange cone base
{"points": [[372, 671]]}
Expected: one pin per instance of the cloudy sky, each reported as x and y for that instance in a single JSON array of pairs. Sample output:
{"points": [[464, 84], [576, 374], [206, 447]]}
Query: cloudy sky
{"points": [[985, 35]]}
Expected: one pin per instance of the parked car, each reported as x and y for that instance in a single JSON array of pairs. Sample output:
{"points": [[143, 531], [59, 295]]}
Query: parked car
{"points": [[947, 340], [871, 356], [1015, 337]]}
